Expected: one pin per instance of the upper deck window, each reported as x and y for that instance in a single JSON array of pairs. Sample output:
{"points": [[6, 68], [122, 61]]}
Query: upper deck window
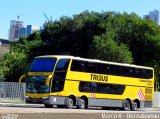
{"points": [[111, 69], [62, 65], [43, 65]]}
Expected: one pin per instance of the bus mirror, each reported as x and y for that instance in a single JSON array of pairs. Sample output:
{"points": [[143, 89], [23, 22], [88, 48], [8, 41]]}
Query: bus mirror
{"points": [[22, 79], [48, 80]]}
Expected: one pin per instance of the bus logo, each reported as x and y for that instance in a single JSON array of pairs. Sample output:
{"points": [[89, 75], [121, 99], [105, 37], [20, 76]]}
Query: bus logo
{"points": [[141, 95], [99, 77]]}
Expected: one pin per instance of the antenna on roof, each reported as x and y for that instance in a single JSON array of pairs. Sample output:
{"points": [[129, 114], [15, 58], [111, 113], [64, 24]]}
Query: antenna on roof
{"points": [[18, 16]]}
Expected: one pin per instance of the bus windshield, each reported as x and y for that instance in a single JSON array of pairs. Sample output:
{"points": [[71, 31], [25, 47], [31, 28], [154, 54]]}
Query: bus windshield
{"points": [[43, 65], [36, 84]]}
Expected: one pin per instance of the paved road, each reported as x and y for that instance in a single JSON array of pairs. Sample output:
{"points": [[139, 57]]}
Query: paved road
{"points": [[39, 112]]}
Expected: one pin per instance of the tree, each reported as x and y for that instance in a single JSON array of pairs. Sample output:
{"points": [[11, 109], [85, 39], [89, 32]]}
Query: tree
{"points": [[72, 35], [31, 46], [14, 64], [141, 36], [105, 48]]}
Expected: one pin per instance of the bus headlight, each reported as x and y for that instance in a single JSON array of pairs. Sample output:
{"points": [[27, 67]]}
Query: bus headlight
{"points": [[26, 97], [45, 97]]}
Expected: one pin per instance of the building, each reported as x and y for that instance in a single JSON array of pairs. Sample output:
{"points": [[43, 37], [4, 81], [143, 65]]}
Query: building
{"points": [[17, 30], [15, 26], [28, 30], [154, 15]]}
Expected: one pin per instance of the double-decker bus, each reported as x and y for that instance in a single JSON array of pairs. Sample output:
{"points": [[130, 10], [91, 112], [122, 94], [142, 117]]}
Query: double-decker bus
{"points": [[68, 81]]}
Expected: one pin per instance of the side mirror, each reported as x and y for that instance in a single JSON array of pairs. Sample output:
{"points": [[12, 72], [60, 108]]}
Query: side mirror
{"points": [[22, 79]]}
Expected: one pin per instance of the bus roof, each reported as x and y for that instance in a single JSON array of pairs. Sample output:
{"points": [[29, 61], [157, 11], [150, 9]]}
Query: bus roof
{"points": [[93, 60]]}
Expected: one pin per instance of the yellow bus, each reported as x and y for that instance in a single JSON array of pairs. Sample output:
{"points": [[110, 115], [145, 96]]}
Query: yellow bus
{"points": [[68, 81]]}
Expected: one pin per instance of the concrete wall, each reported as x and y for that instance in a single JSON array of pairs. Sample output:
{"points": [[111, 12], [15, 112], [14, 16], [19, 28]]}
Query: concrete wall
{"points": [[156, 99]]}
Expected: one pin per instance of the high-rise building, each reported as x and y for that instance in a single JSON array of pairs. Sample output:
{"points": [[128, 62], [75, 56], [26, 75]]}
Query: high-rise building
{"points": [[15, 27], [28, 30], [154, 15], [17, 30]]}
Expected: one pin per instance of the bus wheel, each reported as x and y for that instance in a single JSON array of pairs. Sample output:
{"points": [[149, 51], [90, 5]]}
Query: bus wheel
{"points": [[134, 106], [126, 105], [81, 104], [48, 106], [69, 103]]}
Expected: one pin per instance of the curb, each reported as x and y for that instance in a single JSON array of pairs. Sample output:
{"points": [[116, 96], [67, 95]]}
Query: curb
{"points": [[20, 105]]}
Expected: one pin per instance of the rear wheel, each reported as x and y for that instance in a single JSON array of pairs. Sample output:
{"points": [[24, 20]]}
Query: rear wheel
{"points": [[48, 105], [69, 103], [82, 104], [134, 106], [126, 105]]}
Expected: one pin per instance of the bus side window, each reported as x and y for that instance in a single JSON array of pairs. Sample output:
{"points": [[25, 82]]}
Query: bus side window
{"points": [[126, 71], [93, 87], [90, 67], [77, 65], [138, 73], [114, 70], [84, 87], [147, 74], [103, 68], [62, 65]]}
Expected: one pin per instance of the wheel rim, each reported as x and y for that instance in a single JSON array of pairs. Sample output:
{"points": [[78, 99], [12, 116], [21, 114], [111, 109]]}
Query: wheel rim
{"points": [[135, 106], [70, 103], [126, 105], [82, 103]]}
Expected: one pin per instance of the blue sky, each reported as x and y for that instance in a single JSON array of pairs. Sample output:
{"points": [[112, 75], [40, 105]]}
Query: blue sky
{"points": [[33, 10]]}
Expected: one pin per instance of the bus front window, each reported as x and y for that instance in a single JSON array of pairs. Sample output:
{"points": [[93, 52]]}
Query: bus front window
{"points": [[43, 65], [37, 84]]}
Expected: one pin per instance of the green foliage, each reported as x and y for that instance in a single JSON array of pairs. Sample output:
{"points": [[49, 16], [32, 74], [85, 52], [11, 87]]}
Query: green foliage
{"points": [[105, 48], [2, 77], [71, 35], [31, 46], [14, 64]]}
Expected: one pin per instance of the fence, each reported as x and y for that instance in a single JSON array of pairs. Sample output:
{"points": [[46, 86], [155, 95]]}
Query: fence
{"points": [[12, 92]]}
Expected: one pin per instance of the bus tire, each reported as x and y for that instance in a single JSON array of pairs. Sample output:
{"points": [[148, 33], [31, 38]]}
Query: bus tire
{"points": [[81, 104], [48, 105], [135, 105], [69, 103], [126, 105]]}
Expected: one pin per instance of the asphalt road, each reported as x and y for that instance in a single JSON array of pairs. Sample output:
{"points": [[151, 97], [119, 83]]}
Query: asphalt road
{"points": [[39, 112]]}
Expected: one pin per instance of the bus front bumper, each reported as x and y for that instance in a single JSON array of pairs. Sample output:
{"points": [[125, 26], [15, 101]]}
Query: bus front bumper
{"points": [[37, 100], [46, 100]]}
